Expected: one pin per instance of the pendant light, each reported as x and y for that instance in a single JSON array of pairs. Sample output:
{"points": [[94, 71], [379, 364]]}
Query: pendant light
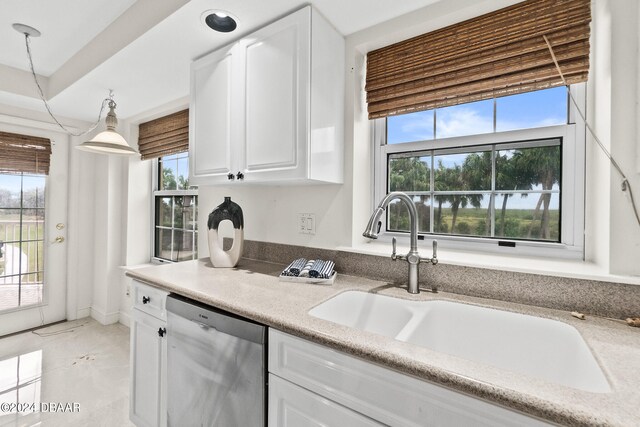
{"points": [[106, 142]]}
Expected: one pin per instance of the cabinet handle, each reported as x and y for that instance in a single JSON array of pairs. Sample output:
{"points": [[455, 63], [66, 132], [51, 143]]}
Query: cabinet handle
{"points": [[240, 175], [145, 299], [231, 177], [162, 331]]}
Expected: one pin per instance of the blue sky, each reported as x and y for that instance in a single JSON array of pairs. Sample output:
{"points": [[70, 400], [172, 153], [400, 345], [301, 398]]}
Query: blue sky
{"points": [[12, 182], [533, 109]]}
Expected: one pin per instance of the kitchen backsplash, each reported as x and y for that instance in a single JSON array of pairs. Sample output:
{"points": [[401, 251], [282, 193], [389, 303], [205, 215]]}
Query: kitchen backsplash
{"points": [[608, 299]]}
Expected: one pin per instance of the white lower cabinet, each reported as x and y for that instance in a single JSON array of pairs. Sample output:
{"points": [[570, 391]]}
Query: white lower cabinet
{"points": [[148, 370], [293, 406], [326, 380]]}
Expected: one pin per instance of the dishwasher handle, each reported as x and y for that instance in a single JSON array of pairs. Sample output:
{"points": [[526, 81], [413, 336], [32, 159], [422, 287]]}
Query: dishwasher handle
{"points": [[221, 321], [204, 326]]}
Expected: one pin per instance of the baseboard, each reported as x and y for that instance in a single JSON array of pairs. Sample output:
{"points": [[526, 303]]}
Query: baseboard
{"points": [[125, 319], [105, 318], [83, 312]]}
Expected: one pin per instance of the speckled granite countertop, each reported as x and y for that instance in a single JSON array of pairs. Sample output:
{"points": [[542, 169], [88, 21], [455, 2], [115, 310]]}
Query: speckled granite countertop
{"points": [[253, 290]]}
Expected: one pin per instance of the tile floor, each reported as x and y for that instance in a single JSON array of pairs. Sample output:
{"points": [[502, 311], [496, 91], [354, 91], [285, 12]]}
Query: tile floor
{"points": [[81, 363]]}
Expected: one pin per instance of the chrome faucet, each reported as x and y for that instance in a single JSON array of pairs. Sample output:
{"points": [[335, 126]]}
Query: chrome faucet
{"points": [[413, 257]]}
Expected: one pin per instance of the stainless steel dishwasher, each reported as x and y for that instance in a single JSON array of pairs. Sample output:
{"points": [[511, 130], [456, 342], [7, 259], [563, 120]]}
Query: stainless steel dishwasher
{"points": [[216, 367]]}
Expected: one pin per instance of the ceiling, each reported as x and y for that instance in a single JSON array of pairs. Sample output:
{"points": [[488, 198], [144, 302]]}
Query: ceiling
{"points": [[141, 49]]}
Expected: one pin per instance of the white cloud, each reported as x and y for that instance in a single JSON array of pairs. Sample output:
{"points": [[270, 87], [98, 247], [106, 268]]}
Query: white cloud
{"points": [[461, 120]]}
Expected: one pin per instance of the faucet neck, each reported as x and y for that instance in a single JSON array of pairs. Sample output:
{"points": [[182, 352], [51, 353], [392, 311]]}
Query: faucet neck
{"points": [[413, 214]]}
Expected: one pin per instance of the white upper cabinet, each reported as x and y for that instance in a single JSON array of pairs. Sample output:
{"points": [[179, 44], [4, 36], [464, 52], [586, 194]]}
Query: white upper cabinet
{"points": [[212, 80], [270, 107]]}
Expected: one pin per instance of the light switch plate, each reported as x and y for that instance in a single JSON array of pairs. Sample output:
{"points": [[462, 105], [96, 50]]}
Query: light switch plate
{"points": [[306, 223]]}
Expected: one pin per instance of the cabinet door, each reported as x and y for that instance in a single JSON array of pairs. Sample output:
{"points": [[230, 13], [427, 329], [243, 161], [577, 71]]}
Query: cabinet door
{"points": [[277, 99], [147, 405], [210, 112], [293, 406]]}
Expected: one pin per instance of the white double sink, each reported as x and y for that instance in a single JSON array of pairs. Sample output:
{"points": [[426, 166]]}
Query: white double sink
{"points": [[547, 349]]}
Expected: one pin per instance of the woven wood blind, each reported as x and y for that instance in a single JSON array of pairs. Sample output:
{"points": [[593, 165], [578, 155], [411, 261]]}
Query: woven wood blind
{"points": [[23, 153], [497, 54], [164, 136]]}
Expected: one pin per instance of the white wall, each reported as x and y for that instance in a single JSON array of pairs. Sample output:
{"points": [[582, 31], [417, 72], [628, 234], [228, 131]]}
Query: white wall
{"points": [[625, 231]]}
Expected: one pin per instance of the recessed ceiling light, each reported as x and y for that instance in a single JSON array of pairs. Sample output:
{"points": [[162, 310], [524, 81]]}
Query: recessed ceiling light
{"points": [[219, 20]]}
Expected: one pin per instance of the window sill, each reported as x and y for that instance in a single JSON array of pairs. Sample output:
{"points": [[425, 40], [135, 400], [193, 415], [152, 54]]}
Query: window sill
{"points": [[137, 266], [548, 267]]}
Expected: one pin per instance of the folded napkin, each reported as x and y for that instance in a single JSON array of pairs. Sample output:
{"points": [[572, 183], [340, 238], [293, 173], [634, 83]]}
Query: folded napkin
{"points": [[305, 270], [295, 267], [321, 269]]}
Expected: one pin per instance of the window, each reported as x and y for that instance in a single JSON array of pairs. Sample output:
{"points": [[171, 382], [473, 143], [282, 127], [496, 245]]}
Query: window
{"points": [[175, 210], [505, 169], [22, 213]]}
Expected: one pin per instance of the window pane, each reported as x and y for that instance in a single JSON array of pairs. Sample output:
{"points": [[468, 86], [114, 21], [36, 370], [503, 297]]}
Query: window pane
{"points": [[410, 127], [533, 109], [9, 225], [528, 169], [463, 172], [462, 214], [163, 243], [183, 173], [189, 221], [163, 211], [528, 216], [169, 173], [10, 191], [33, 191], [465, 119], [409, 173], [185, 244], [398, 214], [178, 213]]}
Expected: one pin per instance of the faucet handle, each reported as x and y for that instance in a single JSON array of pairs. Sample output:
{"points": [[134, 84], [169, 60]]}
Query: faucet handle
{"points": [[393, 245]]}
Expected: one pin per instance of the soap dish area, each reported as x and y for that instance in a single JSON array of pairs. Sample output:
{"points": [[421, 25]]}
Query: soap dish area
{"points": [[309, 280]]}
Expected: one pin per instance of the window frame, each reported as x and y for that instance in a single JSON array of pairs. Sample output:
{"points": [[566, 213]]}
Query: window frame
{"points": [[573, 137], [156, 193]]}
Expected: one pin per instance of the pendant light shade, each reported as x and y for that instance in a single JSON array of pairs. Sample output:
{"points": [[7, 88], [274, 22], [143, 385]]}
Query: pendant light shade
{"points": [[108, 141]]}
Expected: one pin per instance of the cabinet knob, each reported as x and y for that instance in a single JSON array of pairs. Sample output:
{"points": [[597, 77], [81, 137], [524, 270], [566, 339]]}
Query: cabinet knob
{"points": [[240, 175], [231, 177], [162, 331], [145, 299]]}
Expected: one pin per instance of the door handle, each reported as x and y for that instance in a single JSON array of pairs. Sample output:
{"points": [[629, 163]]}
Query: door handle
{"points": [[58, 239], [162, 332]]}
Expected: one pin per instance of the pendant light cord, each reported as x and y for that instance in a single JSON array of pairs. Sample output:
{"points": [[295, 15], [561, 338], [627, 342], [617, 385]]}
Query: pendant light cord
{"points": [[626, 185], [27, 40]]}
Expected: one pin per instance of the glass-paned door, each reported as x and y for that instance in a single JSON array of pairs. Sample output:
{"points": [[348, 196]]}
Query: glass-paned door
{"points": [[22, 214], [34, 281]]}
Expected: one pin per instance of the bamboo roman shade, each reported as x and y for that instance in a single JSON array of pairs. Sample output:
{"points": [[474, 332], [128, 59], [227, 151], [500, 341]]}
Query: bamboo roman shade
{"points": [[164, 136], [24, 153], [497, 54]]}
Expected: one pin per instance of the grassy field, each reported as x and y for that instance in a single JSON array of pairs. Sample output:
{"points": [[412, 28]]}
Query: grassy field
{"points": [[518, 223]]}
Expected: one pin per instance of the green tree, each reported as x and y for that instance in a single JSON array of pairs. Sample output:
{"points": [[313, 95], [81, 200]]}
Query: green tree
{"points": [[168, 179], [542, 166], [455, 179], [476, 171], [409, 174]]}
